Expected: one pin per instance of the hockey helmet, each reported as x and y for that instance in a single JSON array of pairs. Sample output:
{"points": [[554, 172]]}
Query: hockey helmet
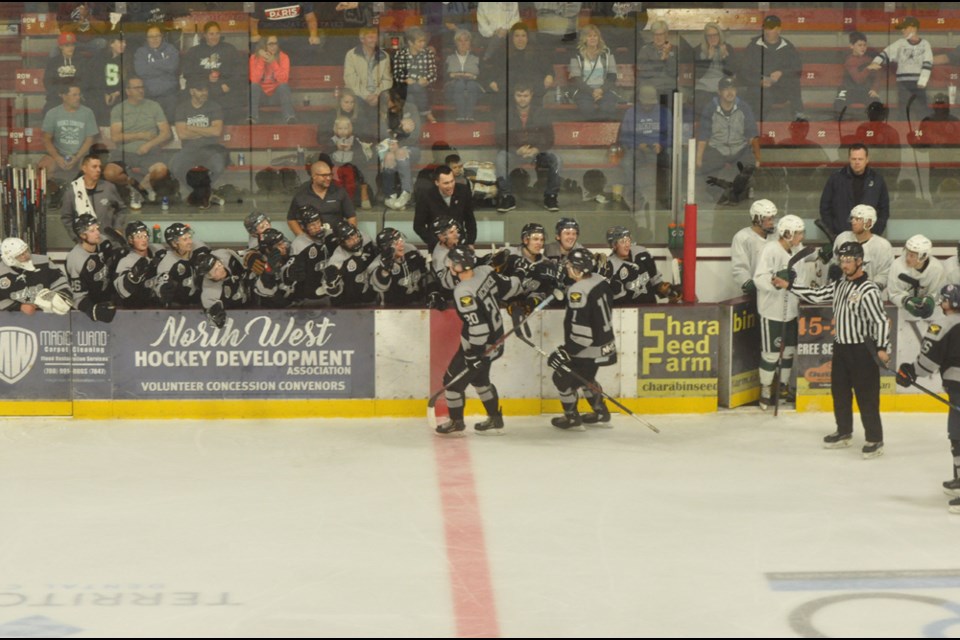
{"points": [[176, 231], [462, 257], [345, 230], [308, 214], [387, 238], [11, 249], [762, 209], [133, 228], [950, 293], [617, 233], [271, 238], [530, 229], [866, 213], [920, 245], [441, 225], [790, 225], [850, 250], [204, 263], [581, 259], [83, 222], [253, 220], [567, 223]]}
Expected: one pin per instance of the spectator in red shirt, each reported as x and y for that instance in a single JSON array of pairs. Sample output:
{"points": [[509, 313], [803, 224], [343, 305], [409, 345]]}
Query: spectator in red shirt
{"points": [[269, 79]]}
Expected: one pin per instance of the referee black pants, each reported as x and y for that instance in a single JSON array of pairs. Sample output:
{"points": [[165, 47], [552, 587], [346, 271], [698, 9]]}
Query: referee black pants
{"points": [[854, 371]]}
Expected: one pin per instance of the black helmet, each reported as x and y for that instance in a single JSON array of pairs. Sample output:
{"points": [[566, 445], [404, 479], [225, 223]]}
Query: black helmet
{"points": [[617, 233], [271, 238], [253, 220], [83, 222], [567, 223], [345, 230], [441, 225], [308, 214], [135, 227], [951, 293], [850, 249], [581, 260], [387, 238], [531, 228], [172, 233], [464, 257], [203, 263]]}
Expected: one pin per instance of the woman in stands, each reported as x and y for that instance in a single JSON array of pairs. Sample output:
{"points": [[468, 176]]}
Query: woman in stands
{"points": [[270, 79], [713, 59], [363, 127], [593, 73], [415, 69]]}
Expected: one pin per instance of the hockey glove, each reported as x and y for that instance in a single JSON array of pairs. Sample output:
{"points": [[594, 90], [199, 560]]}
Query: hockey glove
{"points": [[787, 274], [436, 300], [217, 314], [559, 359], [825, 253], [52, 302], [473, 359], [749, 288], [254, 263], [919, 307], [906, 374], [600, 262], [834, 273], [499, 260], [138, 271], [103, 312]]}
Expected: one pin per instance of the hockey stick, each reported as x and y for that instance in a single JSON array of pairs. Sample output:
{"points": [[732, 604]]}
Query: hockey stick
{"points": [[593, 386], [432, 402], [914, 284], [775, 390], [832, 237], [916, 161], [872, 346]]}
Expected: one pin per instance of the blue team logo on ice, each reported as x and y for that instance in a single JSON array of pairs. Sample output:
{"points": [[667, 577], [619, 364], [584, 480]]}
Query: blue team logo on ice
{"points": [[18, 353]]}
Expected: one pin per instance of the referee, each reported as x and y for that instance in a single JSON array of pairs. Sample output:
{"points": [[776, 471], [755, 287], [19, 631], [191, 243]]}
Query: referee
{"points": [[859, 319]]}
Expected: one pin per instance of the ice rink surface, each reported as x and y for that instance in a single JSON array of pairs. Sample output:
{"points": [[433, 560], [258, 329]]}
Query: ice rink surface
{"points": [[732, 524]]}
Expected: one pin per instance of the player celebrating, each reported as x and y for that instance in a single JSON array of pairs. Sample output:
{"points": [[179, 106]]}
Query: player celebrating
{"points": [[477, 297], [915, 278], [588, 342], [633, 273]]}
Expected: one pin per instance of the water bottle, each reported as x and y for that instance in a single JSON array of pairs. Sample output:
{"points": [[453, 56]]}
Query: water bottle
{"points": [[672, 235], [241, 159], [680, 231], [165, 204], [156, 233], [136, 201], [301, 156]]}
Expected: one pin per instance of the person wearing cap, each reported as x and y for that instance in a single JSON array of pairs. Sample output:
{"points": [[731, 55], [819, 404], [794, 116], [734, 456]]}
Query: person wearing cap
{"points": [[657, 61], [158, 63], [109, 69], [63, 67], [727, 134], [770, 72], [199, 124], [68, 133], [646, 135], [914, 58]]}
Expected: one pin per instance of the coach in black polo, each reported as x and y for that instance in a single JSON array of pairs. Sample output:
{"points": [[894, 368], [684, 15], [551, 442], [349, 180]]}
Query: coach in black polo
{"points": [[331, 200]]}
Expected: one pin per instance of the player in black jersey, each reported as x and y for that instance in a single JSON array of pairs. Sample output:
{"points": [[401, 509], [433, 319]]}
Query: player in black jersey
{"points": [[589, 342]]}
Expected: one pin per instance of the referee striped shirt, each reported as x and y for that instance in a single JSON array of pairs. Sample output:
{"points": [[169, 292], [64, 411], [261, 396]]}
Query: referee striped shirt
{"points": [[857, 310]]}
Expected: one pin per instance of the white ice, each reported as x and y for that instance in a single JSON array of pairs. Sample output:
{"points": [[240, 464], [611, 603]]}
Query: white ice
{"points": [[335, 528]]}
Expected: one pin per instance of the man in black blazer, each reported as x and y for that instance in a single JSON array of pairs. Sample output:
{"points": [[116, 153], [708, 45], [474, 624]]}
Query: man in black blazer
{"points": [[448, 200]]}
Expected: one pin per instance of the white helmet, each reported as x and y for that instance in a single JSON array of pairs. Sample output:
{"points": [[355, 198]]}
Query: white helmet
{"points": [[920, 245], [13, 248], [866, 213], [762, 209], [790, 225]]}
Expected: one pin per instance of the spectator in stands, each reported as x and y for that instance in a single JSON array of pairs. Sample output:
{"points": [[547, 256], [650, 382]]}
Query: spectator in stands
{"points": [[727, 134], [140, 129], [593, 72], [940, 128], [875, 130], [914, 58], [463, 69], [219, 62], [68, 133], [270, 80], [91, 194], [861, 85], [713, 59], [322, 195], [494, 22], [158, 63], [448, 200], [646, 139], [657, 62], [199, 123], [855, 184], [520, 63], [367, 73], [108, 70], [558, 19], [349, 155], [348, 107], [525, 135], [399, 151], [770, 73], [87, 21], [415, 69], [295, 24], [62, 68], [338, 24]]}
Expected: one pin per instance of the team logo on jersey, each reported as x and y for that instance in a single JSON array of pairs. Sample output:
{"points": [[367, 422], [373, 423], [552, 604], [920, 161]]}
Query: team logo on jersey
{"points": [[854, 298], [466, 301], [313, 252], [18, 353], [181, 270], [91, 265], [576, 297], [351, 266], [934, 328], [5, 283]]}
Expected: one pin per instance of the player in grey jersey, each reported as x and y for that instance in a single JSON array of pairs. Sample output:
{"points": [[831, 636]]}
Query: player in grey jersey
{"points": [[29, 282], [135, 280], [90, 266], [477, 298]]}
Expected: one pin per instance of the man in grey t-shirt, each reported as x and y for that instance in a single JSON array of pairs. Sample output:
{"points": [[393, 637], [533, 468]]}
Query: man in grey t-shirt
{"points": [[140, 128], [68, 133]]}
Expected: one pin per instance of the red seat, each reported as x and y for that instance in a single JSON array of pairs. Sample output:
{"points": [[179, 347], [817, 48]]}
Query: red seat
{"points": [[316, 77], [265, 136], [458, 134], [585, 134]]}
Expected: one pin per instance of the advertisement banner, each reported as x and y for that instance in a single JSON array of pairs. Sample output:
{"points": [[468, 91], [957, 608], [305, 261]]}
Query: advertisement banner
{"points": [[678, 349], [739, 353], [302, 353], [35, 357]]}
